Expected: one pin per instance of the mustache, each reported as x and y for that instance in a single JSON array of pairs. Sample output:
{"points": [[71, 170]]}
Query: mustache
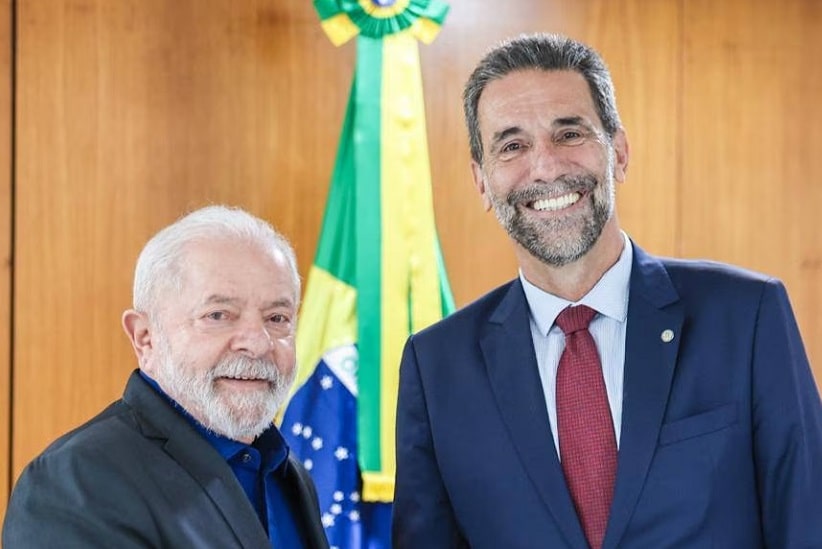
{"points": [[561, 185], [244, 367]]}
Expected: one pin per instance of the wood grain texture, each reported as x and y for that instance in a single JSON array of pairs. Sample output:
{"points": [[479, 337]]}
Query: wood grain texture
{"points": [[750, 145], [131, 112], [5, 245]]}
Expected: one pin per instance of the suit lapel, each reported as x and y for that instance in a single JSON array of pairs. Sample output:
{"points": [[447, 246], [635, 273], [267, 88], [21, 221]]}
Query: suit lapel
{"points": [[198, 459], [307, 504], [654, 315], [512, 369], [219, 482]]}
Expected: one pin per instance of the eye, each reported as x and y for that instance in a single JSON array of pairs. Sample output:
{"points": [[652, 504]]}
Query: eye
{"points": [[217, 315], [511, 150], [280, 324], [279, 318], [571, 136]]}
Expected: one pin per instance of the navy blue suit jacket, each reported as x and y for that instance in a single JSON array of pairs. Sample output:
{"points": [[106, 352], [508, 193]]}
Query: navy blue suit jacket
{"points": [[721, 442]]}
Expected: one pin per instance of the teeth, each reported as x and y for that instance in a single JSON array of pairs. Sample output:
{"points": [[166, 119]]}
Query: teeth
{"points": [[554, 204]]}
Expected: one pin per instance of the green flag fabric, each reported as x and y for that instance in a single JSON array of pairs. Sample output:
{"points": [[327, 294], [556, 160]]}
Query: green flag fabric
{"points": [[378, 274]]}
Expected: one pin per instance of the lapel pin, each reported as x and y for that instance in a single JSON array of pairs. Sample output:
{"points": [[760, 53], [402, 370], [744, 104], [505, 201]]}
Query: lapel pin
{"points": [[667, 336]]}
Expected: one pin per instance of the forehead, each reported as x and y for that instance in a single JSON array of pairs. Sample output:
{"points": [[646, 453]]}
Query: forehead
{"points": [[532, 95], [235, 268]]}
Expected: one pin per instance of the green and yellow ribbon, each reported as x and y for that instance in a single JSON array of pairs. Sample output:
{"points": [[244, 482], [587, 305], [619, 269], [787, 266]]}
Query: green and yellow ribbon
{"points": [[378, 275]]}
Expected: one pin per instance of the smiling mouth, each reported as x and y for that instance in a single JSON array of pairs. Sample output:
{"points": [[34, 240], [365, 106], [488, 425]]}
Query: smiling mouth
{"points": [[555, 204], [240, 381]]}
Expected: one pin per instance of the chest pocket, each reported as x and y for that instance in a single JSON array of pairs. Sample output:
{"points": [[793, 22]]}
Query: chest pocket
{"points": [[698, 425]]}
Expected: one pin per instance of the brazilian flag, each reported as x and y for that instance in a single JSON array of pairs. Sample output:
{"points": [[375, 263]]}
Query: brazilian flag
{"points": [[378, 274]]}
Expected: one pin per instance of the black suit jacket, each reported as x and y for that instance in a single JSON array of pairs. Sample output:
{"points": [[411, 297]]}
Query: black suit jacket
{"points": [[140, 475]]}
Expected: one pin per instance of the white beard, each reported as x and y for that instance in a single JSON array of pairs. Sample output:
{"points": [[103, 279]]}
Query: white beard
{"points": [[238, 416]]}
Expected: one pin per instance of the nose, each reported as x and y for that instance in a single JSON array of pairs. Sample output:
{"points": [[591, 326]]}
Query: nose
{"points": [[546, 161], [252, 339]]}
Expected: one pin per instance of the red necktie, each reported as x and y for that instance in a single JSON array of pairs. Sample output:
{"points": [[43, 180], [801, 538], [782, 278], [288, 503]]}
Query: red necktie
{"points": [[587, 444]]}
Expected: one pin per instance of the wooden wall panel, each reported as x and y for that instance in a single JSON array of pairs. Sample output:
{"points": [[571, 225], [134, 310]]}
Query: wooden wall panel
{"points": [[5, 245], [750, 148], [805, 144], [640, 41], [130, 113]]}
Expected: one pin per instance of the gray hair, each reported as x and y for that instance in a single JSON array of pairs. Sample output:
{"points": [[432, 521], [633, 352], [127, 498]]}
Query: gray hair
{"points": [[159, 264], [545, 52]]}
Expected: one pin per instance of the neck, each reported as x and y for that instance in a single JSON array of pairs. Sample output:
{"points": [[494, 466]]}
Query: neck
{"points": [[573, 281]]}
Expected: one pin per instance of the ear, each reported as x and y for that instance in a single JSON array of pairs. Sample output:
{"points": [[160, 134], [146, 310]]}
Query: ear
{"points": [[621, 154], [479, 183], [138, 329]]}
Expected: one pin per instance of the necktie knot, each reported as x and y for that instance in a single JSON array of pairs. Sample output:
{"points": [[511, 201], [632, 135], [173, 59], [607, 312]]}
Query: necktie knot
{"points": [[574, 319]]}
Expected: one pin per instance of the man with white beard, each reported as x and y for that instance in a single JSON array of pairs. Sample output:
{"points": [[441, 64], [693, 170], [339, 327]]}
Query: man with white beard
{"points": [[189, 457]]}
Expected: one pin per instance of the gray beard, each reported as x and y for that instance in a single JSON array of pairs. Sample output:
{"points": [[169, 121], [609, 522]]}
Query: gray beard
{"points": [[545, 239], [235, 416]]}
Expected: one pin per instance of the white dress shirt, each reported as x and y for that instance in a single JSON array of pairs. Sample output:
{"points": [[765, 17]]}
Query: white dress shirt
{"points": [[609, 297]]}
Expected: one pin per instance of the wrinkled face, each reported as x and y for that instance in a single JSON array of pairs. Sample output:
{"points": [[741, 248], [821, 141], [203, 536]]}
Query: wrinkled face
{"points": [[223, 346], [549, 169]]}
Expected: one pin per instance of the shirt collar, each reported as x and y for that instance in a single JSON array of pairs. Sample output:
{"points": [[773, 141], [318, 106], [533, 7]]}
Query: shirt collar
{"points": [[270, 443], [609, 296]]}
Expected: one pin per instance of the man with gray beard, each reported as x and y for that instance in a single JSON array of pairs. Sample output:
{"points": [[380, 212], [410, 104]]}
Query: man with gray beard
{"points": [[605, 397], [189, 457]]}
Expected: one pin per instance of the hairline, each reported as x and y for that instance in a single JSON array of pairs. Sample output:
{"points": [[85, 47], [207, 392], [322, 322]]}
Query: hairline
{"points": [[161, 263], [546, 53]]}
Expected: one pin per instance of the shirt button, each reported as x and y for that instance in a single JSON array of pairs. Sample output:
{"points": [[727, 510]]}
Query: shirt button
{"points": [[246, 457]]}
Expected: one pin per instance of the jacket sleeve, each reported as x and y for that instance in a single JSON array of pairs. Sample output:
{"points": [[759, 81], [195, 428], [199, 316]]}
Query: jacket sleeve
{"points": [[63, 503], [422, 512], [787, 424]]}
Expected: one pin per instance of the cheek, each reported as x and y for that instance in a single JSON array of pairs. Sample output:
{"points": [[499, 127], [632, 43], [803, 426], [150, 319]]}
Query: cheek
{"points": [[285, 354], [157, 356], [199, 358], [503, 178], [150, 363]]}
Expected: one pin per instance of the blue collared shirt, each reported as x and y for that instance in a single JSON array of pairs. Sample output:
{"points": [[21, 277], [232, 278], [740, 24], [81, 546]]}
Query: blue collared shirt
{"points": [[609, 297], [260, 468]]}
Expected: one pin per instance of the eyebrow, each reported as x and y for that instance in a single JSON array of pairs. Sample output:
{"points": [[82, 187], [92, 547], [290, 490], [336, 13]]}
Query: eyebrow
{"points": [[278, 303], [570, 121], [222, 299], [557, 123], [504, 134]]}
